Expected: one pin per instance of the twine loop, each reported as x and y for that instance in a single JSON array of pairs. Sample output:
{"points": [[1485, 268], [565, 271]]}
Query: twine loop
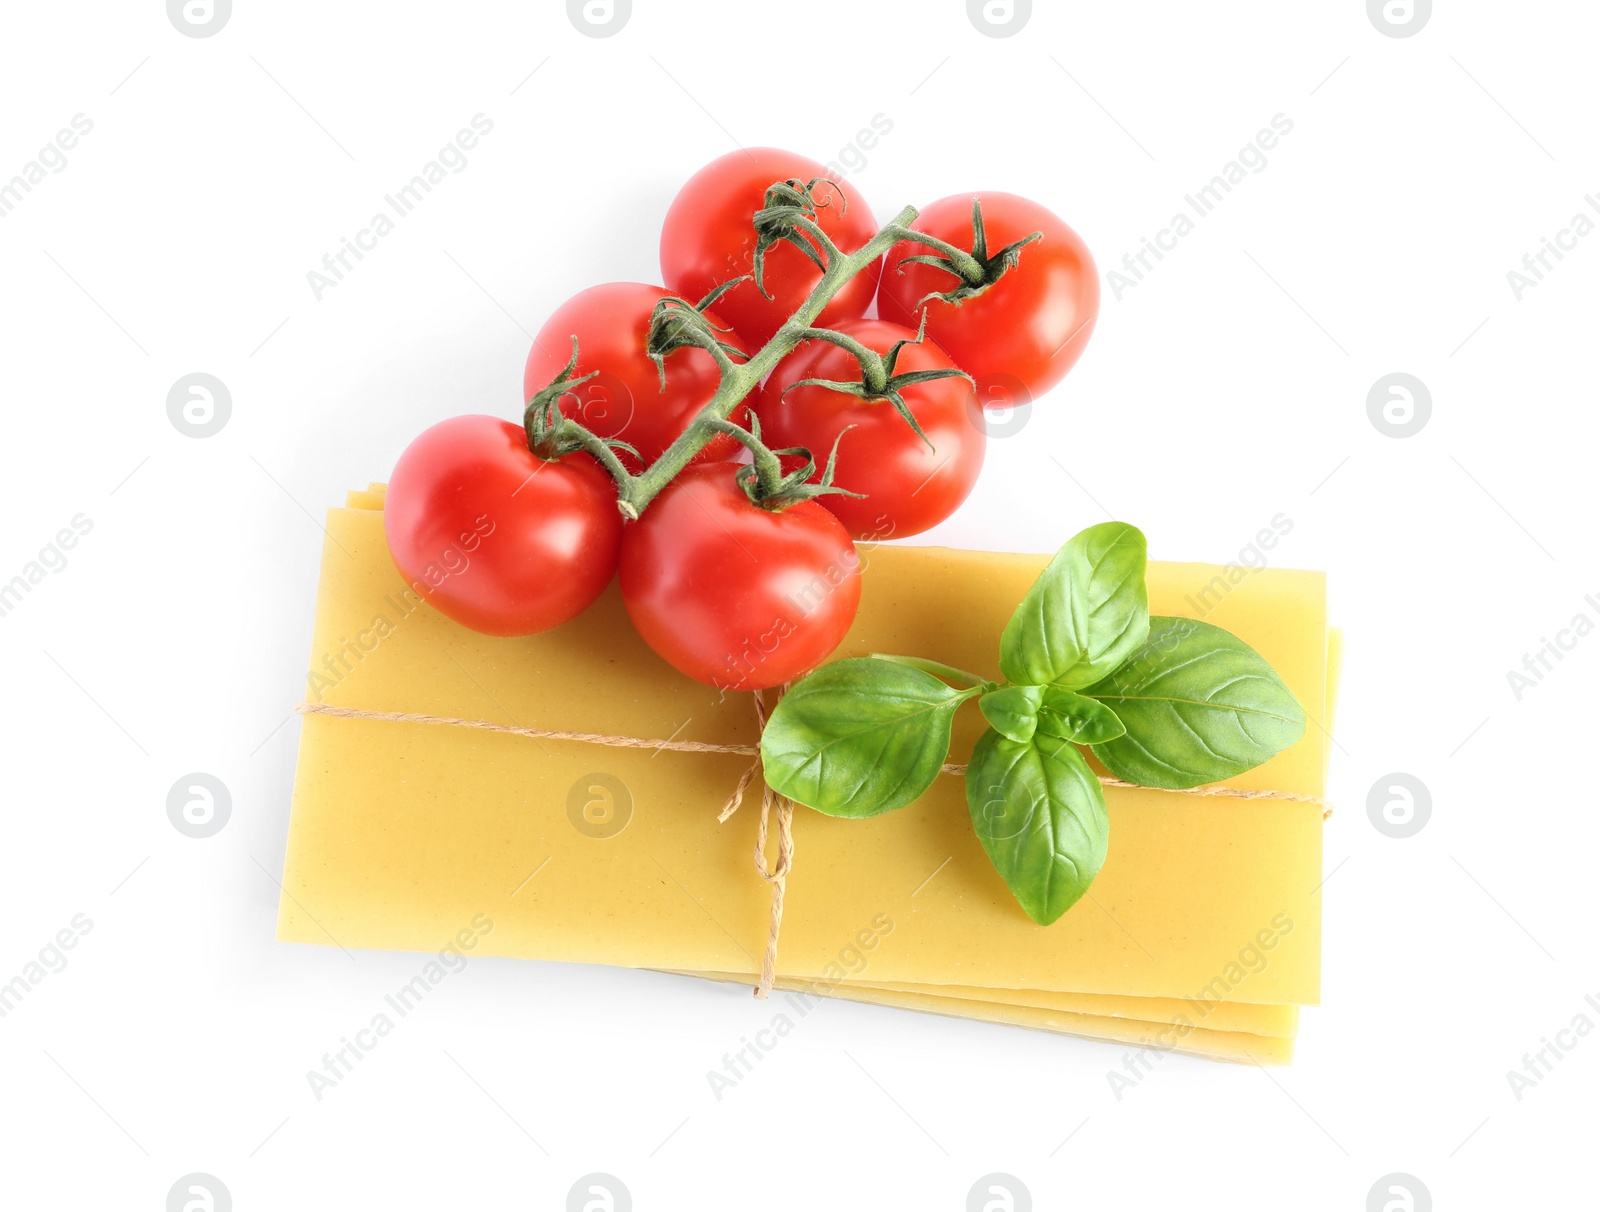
{"points": [[777, 874]]}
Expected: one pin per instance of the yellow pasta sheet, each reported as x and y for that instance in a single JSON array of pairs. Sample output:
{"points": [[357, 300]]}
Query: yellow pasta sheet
{"points": [[404, 834]]}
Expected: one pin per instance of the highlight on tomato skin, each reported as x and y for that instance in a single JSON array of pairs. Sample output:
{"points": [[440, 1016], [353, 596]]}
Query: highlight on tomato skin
{"points": [[626, 399], [732, 594], [707, 240], [907, 485], [495, 537], [1032, 325]]}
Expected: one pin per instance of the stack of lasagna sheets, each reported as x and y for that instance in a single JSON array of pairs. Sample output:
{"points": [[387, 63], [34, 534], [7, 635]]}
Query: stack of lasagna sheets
{"points": [[1202, 934]]}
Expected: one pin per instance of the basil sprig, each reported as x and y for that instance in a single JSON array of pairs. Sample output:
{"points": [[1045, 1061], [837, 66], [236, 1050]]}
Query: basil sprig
{"points": [[1161, 702]]}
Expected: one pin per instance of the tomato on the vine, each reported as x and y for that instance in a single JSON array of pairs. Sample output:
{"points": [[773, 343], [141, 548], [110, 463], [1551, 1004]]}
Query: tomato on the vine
{"points": [[733, 594], [626, 400], [1020, 335], [497, 538], [907, 485], [708, 239]]}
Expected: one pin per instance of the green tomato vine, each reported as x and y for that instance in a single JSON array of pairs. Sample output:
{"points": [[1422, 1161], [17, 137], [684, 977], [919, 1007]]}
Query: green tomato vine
{"points": [[788, 214]]}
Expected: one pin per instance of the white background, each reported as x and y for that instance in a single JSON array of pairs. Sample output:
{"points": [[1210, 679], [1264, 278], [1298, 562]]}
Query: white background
{"points": [[1229, 386]]}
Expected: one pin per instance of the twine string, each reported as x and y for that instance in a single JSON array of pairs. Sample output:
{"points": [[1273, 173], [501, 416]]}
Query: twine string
{"points": [[543, 734], [777, 875], [772, 803], [734, 800]]}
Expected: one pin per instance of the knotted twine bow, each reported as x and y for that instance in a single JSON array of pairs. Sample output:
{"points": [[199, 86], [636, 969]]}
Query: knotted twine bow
{"points": [[778, 874], [771, 802]]}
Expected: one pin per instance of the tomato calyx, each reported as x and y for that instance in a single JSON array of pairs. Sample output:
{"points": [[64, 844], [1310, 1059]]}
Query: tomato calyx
{"points": [[789, 213], [878, 378], [977, 270], [767, 484], [679, 324], [551, 434]]}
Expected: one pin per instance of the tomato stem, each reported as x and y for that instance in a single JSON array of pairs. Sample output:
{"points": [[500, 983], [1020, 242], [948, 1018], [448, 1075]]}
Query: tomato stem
{"points": [[787, 215], [976, 271], [600, 449], [768, 467], [960, 262], [874, 376], [634, 493], [947, 672]]}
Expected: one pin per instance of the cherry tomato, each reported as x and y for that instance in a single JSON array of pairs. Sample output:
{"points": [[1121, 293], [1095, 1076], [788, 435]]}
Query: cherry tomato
{"points": [[494, 536], [625, 399], [1019, 337], [708, 239], [732, 594], [908, 487]]}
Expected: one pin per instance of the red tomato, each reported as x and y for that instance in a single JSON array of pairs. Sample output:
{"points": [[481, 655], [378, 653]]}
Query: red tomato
{"points": [[708, 238], [1028, 329], [908, 487], [495, 537], [734, 595], [625, 399]]}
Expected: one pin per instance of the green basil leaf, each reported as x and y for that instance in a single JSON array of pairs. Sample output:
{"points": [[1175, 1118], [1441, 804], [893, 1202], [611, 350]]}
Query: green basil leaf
{"points": [[1013, 711], [1084, 615], [1199, 705], [859, 737], [1070, 716], [1041, 816]]}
